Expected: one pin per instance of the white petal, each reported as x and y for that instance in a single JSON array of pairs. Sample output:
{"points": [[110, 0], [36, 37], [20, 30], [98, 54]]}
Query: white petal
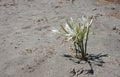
{"points": [[71, 19], [91, 21], [56, 31], [84, 21], [82, 27], [68, 29], [69, 38]]}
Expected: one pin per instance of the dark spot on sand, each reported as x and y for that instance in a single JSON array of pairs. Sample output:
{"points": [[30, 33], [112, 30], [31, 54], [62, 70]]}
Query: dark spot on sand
{"points": [[114, 28], [94, 9], [112, 8], [57, 6], [27, 27], [29, 50], [42, 20], [16, 47], [38, 20], [42, 28], [28, 69]]}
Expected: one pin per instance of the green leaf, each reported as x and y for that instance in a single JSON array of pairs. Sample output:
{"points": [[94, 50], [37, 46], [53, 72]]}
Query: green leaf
{"points": [[63, 29], [70, 24]]}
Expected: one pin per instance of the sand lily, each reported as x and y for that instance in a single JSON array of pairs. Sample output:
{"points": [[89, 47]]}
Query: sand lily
{"points": [[77, 32]]}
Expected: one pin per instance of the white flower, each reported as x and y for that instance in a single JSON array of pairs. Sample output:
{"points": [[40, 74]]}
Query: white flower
{"points": [[69, 38], [91, 21], [84, 21], [71, 19], [77, 31], [82, 28], [69, 30]]}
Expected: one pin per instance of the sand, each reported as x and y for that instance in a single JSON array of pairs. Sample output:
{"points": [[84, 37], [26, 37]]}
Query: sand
{"points": [[28, 48]]}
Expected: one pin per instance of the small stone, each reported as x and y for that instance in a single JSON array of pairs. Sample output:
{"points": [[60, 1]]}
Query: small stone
{"points": [[16, 47], [94, 9], [113, 8], [114, 28], [57, 6], [38, 20]]}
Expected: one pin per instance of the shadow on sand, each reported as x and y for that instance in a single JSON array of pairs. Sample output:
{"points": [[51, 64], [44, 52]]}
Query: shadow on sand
{"points": [[95, 59]]}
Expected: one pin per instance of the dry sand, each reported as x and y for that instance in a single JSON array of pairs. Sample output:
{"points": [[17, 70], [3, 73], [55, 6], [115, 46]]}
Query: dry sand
{"points": [[28, 48]]}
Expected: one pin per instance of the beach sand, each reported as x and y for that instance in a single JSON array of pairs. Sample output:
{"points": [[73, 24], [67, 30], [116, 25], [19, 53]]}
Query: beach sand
{"points": [[28, 48]]}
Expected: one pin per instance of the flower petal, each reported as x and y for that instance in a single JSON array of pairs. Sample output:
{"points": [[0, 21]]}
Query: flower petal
{"points": [[55, 31]]}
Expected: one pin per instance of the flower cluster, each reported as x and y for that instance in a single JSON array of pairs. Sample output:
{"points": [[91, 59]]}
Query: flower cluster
{"points": [[78, 33], [75, 31]]}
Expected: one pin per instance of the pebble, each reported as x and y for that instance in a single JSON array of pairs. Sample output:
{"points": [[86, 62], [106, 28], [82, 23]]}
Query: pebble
{"points": [[114, 28], [113, 8]]}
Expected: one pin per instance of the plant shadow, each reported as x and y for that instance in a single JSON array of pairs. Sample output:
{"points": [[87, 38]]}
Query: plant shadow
{"points": [[92, 59]]}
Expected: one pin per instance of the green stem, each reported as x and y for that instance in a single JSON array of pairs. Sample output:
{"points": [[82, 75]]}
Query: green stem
{"points": [[86, 40], [75, 47], [81, 47], [83, 54]]}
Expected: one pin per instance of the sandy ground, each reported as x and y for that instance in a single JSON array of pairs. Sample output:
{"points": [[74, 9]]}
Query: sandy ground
{"points": [[28, 48]]}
